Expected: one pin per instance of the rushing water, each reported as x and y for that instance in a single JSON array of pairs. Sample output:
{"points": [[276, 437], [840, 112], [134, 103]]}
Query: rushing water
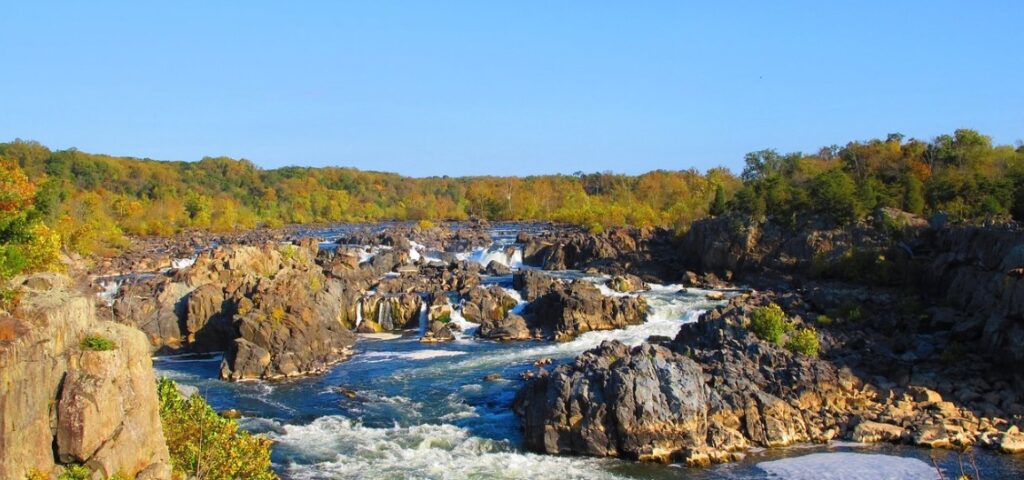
{"points": [[402, 409]]}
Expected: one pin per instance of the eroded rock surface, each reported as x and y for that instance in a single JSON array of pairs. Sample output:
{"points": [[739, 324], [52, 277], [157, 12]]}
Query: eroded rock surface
{"points": [[64, 403], [717, 390]]}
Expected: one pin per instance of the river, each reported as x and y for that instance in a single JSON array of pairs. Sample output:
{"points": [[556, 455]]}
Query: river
{"points": [[401, 409]]}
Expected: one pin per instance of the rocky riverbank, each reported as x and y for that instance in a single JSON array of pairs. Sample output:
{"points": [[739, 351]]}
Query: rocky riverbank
{"points": [[913, 320], [717, 390]]}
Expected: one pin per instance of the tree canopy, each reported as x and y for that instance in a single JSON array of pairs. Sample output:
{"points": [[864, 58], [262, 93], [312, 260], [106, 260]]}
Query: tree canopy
{"points": [[94, 200]]}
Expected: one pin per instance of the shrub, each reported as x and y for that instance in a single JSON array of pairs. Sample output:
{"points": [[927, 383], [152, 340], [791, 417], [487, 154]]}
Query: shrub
{"points": [[74, 472], [425, 224], [768, 323], [289, 252], [277, 314], [98, 344], [205, 445], [825, 320], [851, 312], [804, 341]]}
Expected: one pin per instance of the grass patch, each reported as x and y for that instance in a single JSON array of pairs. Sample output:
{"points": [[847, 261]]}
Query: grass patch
{"points": [[97, 344]]}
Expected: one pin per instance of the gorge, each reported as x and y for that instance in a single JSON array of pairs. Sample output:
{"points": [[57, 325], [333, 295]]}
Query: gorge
{"points": [[459, 349]]}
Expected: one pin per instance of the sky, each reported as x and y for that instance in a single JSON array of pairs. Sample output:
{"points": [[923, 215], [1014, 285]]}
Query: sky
{"points": [[504, 88]]}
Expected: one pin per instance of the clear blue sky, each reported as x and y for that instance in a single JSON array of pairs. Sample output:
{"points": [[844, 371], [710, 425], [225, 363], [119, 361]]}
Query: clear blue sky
{"points": [[520, 87]]}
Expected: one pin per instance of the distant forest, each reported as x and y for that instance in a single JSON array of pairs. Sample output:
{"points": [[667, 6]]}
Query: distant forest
{"points": [[92, 200]]}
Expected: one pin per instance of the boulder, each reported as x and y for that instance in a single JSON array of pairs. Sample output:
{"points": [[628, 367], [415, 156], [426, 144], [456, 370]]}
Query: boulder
{"points": [[495, 267], [482, 304], [581, 307], [532, 284], [647, 403], [627, 283], [510, 327]]}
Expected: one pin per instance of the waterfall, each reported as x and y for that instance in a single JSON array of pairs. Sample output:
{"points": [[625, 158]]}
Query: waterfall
{"points": [[423, 318], [384, 315], [359, 312]]}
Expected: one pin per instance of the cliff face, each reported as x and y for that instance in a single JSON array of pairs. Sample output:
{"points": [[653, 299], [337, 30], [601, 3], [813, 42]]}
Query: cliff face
{"points": [[61, 402], [978, 272], [981, 272]]}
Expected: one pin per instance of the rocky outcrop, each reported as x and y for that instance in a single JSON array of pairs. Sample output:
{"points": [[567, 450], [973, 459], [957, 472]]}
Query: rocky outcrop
{"points": [[434, 278], [564, 313], [289, 323], [157, 306], [274, 309], [969, 268], [511, 327], [208, 321], [614, 402], [65, 401], [439, 321], [648, 253], [973, 270], [531, 284], [388, 312], [497, 268], [484, 304], [492, 308], [446, 237], [717, 390]]}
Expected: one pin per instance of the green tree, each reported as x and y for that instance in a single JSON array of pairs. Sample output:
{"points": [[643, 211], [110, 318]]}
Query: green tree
{"points": [[834, 194], [718, 205], [913, 191]]}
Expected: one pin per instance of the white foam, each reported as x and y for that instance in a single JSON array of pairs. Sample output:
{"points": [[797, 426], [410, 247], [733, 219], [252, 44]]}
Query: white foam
{"points": [[110, 291], [520, 303], [415, 354], [467, 329], [179, 263], [663, 320], [381, 336], [336, 447], [495, 252], [849, 466]]}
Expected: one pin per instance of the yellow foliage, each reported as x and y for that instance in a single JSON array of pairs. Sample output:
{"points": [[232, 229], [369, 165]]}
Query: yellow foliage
{"points": [[277, 314], [42, 252]]}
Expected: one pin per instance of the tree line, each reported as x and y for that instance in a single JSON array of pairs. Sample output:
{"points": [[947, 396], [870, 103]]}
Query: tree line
{"points": [[93, 201]]}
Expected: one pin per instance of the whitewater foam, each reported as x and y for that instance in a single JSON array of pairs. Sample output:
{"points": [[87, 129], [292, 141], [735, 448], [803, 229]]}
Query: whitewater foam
{"points": [[415, 354], [339, 448]]}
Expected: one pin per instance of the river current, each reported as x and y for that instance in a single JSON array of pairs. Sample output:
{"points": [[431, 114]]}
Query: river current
{"points": [[401, 409]]}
